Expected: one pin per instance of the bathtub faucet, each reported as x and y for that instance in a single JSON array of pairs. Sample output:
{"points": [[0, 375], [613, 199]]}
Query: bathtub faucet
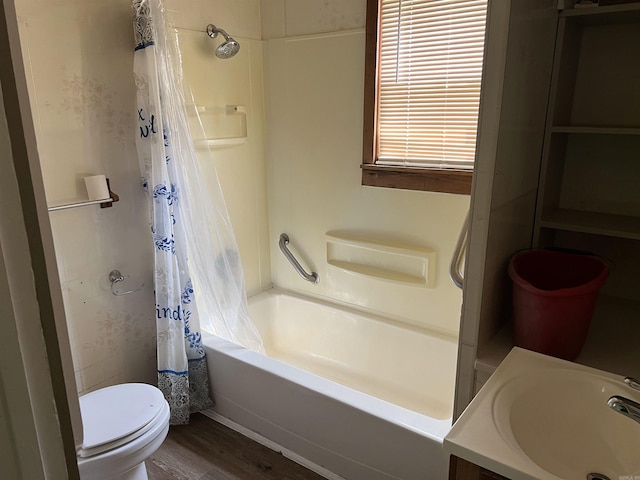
{"points": [[626, 407]]}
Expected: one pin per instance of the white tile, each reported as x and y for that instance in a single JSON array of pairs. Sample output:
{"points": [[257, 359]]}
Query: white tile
{"points": [[272, 14], [187, 15], [238, 17], [304, 17]]}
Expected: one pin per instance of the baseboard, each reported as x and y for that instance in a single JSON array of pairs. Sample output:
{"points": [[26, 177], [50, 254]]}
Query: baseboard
{"points": [[294, 457]]}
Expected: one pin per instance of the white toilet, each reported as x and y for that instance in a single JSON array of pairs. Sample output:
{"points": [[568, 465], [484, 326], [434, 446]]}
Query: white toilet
{"points": [[123, 425]]}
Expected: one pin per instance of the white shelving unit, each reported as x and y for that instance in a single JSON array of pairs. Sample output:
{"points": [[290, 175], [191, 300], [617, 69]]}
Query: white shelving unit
{"points": [[589, 194], [592, 140], [621, 226]]}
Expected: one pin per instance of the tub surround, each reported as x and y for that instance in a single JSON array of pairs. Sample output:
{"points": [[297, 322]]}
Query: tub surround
{"points": [[239, 167], [314, 94]]}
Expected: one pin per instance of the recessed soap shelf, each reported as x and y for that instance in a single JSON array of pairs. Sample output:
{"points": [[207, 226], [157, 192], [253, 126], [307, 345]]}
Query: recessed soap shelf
{"points": [[389, 261]]}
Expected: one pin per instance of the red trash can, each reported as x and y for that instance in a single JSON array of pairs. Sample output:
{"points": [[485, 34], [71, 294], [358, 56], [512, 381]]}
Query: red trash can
{"points": [[554, 294]]}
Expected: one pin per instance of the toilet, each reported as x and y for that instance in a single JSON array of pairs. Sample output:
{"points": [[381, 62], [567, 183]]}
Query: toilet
{"points": [[122, 425]]}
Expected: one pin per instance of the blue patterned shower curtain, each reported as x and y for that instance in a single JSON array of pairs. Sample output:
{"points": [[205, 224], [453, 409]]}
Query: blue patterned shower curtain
{"points": [[182, 369]]}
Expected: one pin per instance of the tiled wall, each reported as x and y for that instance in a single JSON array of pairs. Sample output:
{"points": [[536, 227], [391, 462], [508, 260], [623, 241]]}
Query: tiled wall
{"points": [[79, 61], [314, 72], [288, 18]]}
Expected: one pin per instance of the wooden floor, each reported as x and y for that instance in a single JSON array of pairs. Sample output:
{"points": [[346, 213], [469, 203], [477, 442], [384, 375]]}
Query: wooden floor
{"points": [[206, 450]]}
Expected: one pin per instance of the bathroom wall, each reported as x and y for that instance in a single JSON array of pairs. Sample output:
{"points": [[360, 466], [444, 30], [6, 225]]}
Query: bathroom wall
{"points": [[78, 56], [79, 59], [314, 62], [79, 62]]}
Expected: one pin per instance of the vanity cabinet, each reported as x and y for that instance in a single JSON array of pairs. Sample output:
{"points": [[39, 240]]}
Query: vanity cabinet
{"points": [[460, 469]]}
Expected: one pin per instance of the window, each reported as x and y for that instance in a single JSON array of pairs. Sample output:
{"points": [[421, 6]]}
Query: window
{"points": [[422, 92]]}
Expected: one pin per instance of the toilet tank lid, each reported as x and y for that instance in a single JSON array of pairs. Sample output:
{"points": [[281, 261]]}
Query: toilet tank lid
{"points": [[114, 412]]}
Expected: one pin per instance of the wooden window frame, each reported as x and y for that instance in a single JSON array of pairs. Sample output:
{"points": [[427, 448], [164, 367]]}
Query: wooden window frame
{"points": [[408, 178]]}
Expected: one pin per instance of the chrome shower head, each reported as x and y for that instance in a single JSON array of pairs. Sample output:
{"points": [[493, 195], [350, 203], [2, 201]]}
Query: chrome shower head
{"points": [[226, 49]]}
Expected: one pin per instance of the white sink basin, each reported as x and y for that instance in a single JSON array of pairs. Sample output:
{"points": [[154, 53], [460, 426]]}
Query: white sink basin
{"points": [[543, 418], [561, 421]]}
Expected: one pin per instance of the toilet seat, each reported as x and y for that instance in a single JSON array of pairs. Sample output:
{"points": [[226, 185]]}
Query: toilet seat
{"points": [[117, 415]]}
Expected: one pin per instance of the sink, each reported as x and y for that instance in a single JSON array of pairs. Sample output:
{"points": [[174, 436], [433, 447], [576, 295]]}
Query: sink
{"points": [[540, 417], [560, 420]]}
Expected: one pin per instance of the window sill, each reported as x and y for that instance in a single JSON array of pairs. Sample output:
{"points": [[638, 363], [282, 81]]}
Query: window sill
{"points": [[424, 179]]}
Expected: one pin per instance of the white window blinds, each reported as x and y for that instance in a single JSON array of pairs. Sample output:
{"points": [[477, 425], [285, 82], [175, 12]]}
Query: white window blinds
{"points": [[430, 66]]}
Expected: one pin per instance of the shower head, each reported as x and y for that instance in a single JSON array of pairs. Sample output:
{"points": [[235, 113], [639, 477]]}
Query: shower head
{"points": [[226, 49]]}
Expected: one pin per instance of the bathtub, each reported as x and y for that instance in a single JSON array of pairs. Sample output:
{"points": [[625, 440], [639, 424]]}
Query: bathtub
{"points": [[356, 396]]}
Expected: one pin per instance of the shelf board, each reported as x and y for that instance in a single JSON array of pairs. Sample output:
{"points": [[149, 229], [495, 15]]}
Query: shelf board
{"points": [[623, 13], [590, 222], [596, 130], [380, 273], [610, 345], [221, 142]]}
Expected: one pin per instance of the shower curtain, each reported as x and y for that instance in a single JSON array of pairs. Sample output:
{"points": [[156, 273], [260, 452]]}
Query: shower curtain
{"points": [[198, 276]]}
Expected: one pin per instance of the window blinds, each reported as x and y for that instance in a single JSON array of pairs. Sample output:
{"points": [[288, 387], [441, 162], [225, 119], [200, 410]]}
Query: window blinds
{"points": [[430, 66]]}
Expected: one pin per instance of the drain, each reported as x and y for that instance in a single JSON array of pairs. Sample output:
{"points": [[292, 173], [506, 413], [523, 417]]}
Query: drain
{"points": [[597, 476]]}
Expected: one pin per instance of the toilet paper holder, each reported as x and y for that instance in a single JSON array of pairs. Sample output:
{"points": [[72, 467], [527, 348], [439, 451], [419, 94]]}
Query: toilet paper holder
{"points": [[116, 277], [114, 197], [106, 203]]}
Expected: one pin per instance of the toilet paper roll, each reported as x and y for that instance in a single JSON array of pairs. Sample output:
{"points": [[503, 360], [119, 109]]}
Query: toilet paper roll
{"points": [[97, 187]]}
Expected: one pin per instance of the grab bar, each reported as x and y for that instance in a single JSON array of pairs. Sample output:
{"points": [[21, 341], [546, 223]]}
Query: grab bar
{"points": [[309, 277], [459, 253]]}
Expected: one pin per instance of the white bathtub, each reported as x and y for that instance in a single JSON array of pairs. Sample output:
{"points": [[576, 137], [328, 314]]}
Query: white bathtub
{"points": [[363, 397]]}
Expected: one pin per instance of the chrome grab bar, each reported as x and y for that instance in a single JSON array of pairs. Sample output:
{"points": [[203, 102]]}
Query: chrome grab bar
{"points": [[459, 253], [309, 277]]}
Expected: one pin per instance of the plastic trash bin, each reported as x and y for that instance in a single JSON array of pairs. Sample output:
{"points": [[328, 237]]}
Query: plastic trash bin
{"points": [[554, 294]]}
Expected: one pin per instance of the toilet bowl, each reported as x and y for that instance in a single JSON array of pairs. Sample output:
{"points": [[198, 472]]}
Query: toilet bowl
{"points": [[122, 425]]}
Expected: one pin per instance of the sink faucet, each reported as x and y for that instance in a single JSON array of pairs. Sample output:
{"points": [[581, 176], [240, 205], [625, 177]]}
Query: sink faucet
{"points": [[626, 407]]}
